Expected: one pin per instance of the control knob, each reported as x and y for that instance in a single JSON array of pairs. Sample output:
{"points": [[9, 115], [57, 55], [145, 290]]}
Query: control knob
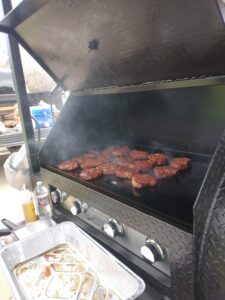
{"points": [[57, 196], [113, 228], [153, 252], [78, 207]]}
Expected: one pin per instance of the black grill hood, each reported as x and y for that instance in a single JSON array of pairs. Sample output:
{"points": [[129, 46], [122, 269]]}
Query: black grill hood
{"points": [[87, 44]]}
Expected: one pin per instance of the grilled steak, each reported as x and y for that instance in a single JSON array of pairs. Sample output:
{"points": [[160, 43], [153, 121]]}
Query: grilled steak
{"points": [[121, 151], [123, 161], [68, 165], [127, 173], [89, 163], [165, 172], [181, 163], [109, 169], [158, 159], [152, 181], [107, 154], [138, 155], [142, 164], [140, 181], [92, 154], [79, 159], [93, 162], [90, 174]]}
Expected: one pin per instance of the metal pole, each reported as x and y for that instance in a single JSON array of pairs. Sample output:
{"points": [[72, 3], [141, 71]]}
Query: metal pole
{"points": [[22, 98]]}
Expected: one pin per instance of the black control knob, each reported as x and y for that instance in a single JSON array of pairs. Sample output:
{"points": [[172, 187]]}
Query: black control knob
{"points": [[113, 228], [153, 252], [57, 196]]}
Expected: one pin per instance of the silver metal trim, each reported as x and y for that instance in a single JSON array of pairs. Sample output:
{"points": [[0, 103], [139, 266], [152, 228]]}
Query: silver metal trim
{"points": [[151, 86], [118, 229]]}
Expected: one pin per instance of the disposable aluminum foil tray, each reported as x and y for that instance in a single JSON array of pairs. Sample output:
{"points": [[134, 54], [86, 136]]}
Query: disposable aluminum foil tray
{"points": [[110, 271]]}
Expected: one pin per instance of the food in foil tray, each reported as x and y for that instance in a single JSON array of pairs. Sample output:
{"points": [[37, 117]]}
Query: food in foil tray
{"points": [[61, 274]]}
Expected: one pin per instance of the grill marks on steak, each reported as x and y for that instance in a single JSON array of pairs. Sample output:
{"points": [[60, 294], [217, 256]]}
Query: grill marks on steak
{"points": [[165, 172], [181, 163], [140, 181], [91, 173], [138, 155]]}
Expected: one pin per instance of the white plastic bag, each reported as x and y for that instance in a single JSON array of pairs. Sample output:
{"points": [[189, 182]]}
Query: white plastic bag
{"points": [[2, 128], [16, 169]]}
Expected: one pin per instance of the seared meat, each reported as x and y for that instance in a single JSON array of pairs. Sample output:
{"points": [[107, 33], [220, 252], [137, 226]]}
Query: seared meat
{"points": [[121, 151], [180, 163], [93, 162], [106, 154], [140, 181], [127, 173], [158, 159], [89, 163], [109, 169], [92, 154], [165, 172], [123, 161], [138, 155], [79, 159], [68, 165], [92, 173], [152, 181], [143, 164]]}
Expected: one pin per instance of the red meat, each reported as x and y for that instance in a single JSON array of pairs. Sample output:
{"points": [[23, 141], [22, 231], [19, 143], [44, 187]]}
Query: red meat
{"points": [[181, 163], [158, 159], [90, 174], [68, 165], [143, 164], [127, 173], [121, 151], [165, 172], [138, 155]]}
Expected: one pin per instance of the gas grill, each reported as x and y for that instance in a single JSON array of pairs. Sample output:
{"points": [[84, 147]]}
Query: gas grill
{"points": [[148, 75]]}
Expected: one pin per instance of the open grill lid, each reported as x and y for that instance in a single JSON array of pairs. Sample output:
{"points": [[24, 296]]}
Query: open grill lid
{"points": [[97, 44]]}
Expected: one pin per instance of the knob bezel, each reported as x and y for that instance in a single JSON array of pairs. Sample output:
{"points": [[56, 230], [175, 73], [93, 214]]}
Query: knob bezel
{"points": [[157, 251], [116, 227]]}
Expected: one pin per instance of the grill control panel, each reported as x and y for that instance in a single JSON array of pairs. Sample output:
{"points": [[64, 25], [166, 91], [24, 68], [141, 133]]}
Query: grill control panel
{"points": [[143, 246]]}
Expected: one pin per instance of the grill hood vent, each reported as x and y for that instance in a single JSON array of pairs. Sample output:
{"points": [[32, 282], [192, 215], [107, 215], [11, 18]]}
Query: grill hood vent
{"points": [[97, 44]]}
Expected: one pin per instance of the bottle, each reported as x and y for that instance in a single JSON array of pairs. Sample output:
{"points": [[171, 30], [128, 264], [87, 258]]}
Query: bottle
{"points": [[42, 200], [28, 206]]}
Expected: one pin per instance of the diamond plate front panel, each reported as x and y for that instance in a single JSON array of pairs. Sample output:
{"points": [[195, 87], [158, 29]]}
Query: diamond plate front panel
{"points": [[177, 241]]}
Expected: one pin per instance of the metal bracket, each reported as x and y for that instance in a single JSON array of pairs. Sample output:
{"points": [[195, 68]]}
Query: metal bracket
{"points": [[221, 4]]}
